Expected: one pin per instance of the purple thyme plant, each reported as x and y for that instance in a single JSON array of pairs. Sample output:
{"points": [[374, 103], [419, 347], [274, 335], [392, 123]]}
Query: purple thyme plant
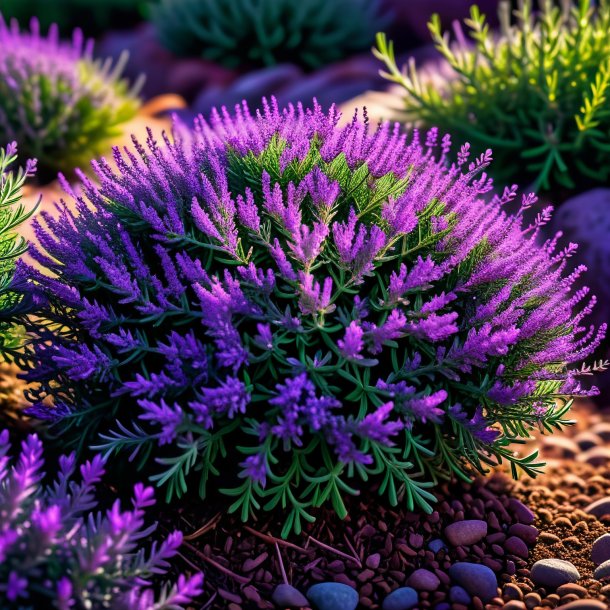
{"points": [[59, 104], [56, 552], [290, 307]]}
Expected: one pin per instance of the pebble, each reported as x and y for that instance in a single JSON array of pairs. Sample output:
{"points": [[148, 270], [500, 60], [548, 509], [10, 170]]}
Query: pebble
{"points": [[436, 545], [599, 508], [401, 599], [553, 572], [602, 571], [602, 430], [477, 579], [333, 596], [512, 591], [466, 532], [571, 589], [600, 551], [459, 595], [514, 604], [522, 512], [424, 580], [286, 596], [585, 604], [516, 546], [587, 440], [596, 456], [527, 533]]}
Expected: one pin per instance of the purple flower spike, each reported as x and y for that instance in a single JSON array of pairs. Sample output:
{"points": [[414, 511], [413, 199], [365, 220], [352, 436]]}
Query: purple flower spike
{"points": [[53, 546]]}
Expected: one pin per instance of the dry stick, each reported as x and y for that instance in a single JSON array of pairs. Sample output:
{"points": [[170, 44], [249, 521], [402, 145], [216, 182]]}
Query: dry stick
{"points": [[211, 524], [282, 570], [240, 579], [336, 551], [272, 540], [352, 549]]}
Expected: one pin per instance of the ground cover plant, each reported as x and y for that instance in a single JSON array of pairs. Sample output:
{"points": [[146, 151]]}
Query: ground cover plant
{"points": [[536, 91], [56, 101], [289, 309], [239, 33], [56, 548], [12, 214]]}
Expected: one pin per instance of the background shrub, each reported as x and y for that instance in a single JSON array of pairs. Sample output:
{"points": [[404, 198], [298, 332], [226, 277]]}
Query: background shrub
{"points": [[239, 33], [59, 104], [536, 92], [289, 309]]}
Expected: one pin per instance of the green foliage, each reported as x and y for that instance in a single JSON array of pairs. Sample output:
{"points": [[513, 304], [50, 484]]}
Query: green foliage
{"points": [[12, 214], [536, 93], [235, 33], [59, 104]]}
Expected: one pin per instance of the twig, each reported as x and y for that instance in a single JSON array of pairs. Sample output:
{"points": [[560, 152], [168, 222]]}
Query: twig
{"points": [[336, 551], [352, 549], [282, 570], [273, 540], [211, 524], [240, 579]]}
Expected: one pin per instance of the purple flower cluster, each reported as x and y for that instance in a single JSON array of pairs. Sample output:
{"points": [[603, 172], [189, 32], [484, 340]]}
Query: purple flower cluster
{"points": [[54, 550], [330, 302], [59, 104]]}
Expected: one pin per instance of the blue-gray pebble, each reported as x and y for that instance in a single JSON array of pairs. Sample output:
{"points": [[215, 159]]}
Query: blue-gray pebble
{"points": [[436, 545], [401, 599], [459, 595], [332, 596], [602, 571], [600, 551], [477, 579], [286, 596], [553, 572]]}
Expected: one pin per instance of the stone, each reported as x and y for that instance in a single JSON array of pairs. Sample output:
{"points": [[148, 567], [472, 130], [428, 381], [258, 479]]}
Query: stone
{"points": [[553, 573], [424, 580], [585, 604], [572, 589], [527, 533], [459, 595], [475, 578], [516, 546], [599, 508], [401, 599], [522, 512], [332, 596], [602, 571], [512, 591], [587, 440], [559, 447], [597, 456], [600, 551], [436, 545], [514, 604], [286, 596], [466, 532]]}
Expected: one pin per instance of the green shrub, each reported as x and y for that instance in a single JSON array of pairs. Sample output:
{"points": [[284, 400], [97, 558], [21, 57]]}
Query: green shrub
{"points": [[535, 93]]}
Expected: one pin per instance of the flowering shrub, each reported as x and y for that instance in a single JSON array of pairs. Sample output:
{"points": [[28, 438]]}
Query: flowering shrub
{"points": [[54, 549], [304, 307], [311, 33], [536, 92], [12, 214], [55, 101]]}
